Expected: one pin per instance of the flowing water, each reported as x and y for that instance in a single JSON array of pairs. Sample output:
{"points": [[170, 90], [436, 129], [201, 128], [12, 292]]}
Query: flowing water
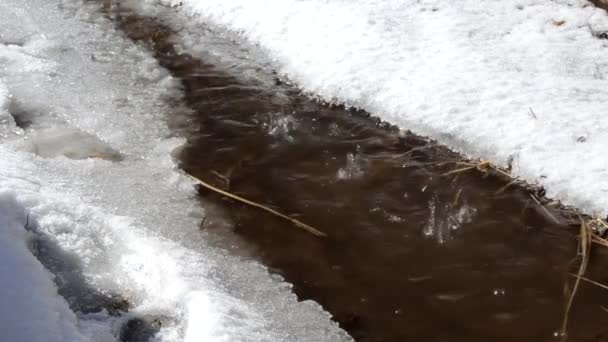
{"points": [[411, 254]]}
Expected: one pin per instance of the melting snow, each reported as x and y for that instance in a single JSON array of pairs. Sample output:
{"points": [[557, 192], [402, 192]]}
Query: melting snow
{"points": [[496, 80]]}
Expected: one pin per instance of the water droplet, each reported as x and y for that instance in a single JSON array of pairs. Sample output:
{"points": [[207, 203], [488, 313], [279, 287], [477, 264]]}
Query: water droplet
{"points": [[499, 292]]}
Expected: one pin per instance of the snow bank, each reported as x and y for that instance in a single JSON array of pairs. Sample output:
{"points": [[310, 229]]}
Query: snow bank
{"points": [[30, 308], [85, 160], [496, 80]]}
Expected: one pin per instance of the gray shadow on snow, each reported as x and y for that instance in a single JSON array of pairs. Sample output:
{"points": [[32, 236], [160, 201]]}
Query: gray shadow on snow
{"points": [[82, 298]]}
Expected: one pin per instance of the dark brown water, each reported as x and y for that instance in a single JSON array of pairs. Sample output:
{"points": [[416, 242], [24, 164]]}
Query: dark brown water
{"points": [[600, 3], [411, 255]]}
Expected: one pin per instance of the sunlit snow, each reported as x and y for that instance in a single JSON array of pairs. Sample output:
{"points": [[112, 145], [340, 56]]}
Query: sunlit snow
{"points": [[525, 80]]}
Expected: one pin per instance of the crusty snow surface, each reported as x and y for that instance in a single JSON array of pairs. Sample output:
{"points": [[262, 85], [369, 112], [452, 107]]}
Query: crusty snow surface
{"points": [[92, 206], [525, 80]]}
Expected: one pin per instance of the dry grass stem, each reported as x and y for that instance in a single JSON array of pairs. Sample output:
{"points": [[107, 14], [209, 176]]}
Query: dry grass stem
{"points": [[504, 188], [297, 223], [583, 251], [598, 221], [544, 209], [504, 173], [458, 170], [222, 177], [482, 166], [457, 198], [599, 241], [605, 287]]}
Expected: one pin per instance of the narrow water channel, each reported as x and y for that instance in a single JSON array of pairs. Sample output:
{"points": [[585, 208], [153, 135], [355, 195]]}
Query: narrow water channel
{"points": [[411, 254]]}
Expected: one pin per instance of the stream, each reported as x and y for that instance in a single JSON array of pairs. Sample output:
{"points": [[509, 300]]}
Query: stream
{"points": [[411, 253]]}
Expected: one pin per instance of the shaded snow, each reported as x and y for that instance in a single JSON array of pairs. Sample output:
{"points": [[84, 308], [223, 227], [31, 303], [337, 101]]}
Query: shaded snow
{"points": [[30, 308], [7, 122], [467, 73], [72, 91]]}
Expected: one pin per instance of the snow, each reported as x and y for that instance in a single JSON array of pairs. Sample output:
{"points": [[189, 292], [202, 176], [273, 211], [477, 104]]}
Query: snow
{"points": [[525, 80], [91, 203], [30, 308], [92, 206]]}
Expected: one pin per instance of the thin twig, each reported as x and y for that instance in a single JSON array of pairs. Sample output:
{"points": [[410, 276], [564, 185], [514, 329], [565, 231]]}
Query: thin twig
{"points": [[533, 114], [297, 223]]}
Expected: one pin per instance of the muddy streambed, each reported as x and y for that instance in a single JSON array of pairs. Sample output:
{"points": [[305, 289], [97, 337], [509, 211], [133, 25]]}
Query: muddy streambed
{"points": [[410, 255]]}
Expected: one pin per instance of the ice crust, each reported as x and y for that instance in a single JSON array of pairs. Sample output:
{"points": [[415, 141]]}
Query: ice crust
{"points": [[525, 80], [123, 227]]}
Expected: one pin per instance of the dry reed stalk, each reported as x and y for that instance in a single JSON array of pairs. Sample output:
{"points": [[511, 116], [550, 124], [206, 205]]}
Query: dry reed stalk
{"points": [[482, 166], [297, 223], [504, 188], [544, 209], [599, 241], [591, 281], [457, 198], [583, 251]]}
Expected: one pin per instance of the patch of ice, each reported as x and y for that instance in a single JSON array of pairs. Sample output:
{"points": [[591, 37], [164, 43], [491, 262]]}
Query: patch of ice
{"points": [[466, 73], [68, 142]]}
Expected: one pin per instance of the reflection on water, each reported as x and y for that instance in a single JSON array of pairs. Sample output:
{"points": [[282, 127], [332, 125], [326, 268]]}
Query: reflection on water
{"points": [[411, 255]]}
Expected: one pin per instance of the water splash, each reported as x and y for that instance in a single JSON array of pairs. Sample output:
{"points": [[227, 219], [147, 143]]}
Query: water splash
{"points": [[280, 126], [354, 167], [446, 218]]}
